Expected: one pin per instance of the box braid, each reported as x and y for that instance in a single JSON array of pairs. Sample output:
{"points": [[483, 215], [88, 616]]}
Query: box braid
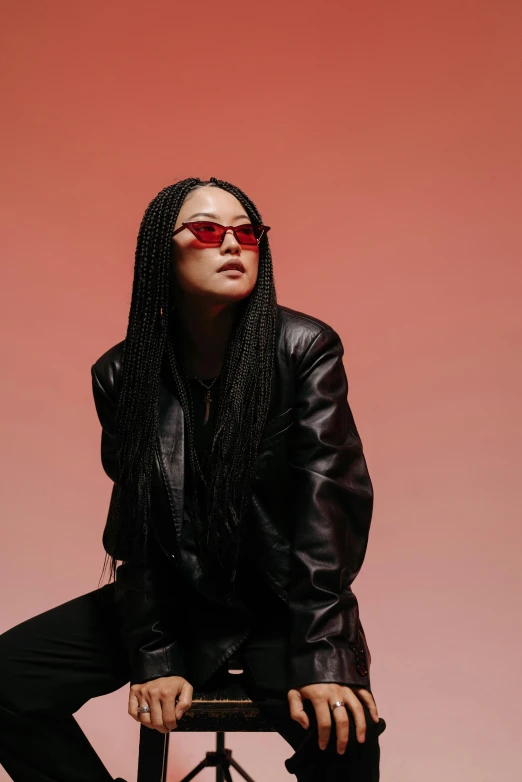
{"points": [[221, 498]]}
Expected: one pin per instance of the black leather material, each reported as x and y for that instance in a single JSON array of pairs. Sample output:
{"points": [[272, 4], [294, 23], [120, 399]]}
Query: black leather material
{"points": [[307, 528]]}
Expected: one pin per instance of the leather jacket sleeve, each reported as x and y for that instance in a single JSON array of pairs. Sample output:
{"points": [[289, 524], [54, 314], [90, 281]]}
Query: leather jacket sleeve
{"points": [[141, 589], [332, 497]]}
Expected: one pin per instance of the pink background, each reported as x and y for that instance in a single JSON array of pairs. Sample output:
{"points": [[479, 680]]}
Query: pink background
{"points": [[382, 142]]}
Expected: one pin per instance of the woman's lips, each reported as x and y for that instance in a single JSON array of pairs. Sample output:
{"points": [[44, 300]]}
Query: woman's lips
{"points": [[232, 266]]}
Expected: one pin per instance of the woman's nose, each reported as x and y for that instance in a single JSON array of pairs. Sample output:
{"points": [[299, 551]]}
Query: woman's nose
{"points": [[229, 241]]}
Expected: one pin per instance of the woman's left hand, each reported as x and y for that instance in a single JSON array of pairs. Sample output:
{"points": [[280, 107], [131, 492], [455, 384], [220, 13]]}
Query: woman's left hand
{"points": [[323, 697]]}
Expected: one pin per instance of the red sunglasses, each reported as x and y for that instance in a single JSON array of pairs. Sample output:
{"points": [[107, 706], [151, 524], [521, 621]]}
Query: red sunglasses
{"points": [[208, 232]]}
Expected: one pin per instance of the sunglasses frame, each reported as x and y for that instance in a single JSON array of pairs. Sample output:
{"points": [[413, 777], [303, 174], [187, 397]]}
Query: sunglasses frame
{"points": [[263, 228]]}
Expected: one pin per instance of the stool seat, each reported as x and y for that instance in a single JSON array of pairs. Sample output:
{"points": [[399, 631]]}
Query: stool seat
{"points": [[224, 709]]}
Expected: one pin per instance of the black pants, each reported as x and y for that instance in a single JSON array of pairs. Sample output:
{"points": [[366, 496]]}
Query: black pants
{"points": [[53, 663]]}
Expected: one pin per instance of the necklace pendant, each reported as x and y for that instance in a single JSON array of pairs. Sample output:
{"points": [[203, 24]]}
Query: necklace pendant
{"points": [[207, 407]]}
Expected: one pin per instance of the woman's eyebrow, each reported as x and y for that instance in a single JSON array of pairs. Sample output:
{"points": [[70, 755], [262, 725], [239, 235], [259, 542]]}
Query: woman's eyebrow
{"points": [[211, 214]]}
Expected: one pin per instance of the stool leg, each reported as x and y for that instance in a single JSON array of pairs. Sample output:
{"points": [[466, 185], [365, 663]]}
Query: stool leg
{"points": [[195, 771], [165, 757], [220, 749], [153, 755], [222, 759], [240, 770]]}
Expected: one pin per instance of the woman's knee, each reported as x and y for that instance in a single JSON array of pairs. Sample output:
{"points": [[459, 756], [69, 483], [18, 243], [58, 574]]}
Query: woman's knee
{"points": [[13, 685], [308, 756]]}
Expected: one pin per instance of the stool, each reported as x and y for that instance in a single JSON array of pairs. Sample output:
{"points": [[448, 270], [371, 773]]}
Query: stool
{"points": [[225, 709]]}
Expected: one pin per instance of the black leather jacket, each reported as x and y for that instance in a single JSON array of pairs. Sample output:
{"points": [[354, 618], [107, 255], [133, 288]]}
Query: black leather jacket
{"points": [[308, 528]]}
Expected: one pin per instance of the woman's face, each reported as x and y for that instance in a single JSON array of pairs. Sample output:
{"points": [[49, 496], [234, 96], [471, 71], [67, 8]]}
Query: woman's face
{"points": [[196, 265]]}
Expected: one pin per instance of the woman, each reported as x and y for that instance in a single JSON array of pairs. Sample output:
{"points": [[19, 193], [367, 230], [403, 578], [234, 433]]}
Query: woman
{"points": [[240, 514]]}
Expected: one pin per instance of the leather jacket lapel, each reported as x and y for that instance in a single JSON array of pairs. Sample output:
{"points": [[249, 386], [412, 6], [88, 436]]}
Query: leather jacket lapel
{"points": [[171, 456], [171, 450]]}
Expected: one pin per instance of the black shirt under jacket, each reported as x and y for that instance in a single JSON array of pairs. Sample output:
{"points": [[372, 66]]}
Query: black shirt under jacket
{"points": [[252, 589]]}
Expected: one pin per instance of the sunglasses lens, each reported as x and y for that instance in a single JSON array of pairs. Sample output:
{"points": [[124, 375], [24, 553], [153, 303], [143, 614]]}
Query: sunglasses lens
{"points": [[208, 232], [247, 234]]}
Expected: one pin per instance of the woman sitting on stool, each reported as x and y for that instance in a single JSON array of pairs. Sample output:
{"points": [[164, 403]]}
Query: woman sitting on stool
{"points": [[240, 514]]}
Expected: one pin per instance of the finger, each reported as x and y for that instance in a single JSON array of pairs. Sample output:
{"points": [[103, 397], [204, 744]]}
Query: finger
{"points": [[167, 698], [184, 700], [154, 696], [368, 699], [340, 716], [297, 713], [133, 704], [354, 704], [144, 717], [324, 722], [136, 699]]}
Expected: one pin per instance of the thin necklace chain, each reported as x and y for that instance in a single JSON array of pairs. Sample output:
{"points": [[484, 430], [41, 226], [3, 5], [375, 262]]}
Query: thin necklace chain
{"points": [[208, 398]]}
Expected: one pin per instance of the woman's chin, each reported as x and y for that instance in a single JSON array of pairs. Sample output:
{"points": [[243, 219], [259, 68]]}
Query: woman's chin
{"points": [[233, 290]]}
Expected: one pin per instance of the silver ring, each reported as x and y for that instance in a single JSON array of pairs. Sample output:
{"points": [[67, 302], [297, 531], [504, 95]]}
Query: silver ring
{"points": [[336, 704], [143, 709]]}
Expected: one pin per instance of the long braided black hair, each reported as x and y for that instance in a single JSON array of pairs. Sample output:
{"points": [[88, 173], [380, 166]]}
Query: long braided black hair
{"points": [[221, 499]]}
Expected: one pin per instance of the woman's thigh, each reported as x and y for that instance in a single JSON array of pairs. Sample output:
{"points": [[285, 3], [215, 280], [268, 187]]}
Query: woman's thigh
{"points": [[58, 660]]}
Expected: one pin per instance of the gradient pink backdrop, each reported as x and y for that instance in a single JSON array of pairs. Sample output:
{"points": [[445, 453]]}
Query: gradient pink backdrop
{"points": [[382, 142]]}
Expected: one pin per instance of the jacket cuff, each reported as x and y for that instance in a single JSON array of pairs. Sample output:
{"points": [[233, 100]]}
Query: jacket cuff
{"points": [[347, 665], [151, 664]]}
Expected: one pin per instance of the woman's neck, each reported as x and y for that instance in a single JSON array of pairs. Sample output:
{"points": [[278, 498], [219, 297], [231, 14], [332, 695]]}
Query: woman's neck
{"points": [[205, 334]]}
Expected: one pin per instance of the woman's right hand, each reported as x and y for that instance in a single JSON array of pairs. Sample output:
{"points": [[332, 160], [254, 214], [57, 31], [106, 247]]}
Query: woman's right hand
{"points": [[160, 695]]}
